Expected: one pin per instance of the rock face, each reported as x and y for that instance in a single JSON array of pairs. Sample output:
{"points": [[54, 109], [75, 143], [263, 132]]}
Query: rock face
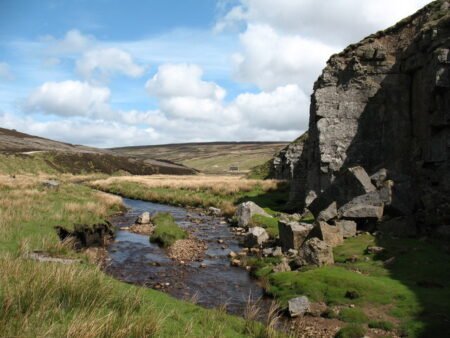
{"points": [[385, 103], [245, 212]]}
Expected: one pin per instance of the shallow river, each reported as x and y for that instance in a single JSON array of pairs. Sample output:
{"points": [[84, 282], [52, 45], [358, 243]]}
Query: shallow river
{"points": [[134, 259]]}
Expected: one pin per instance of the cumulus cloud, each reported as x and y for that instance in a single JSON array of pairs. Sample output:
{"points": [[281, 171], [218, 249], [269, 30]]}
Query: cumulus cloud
{"points": [[270, 59], [175, 80], [73, 42], [106, 62], [5, 72], [69, 98]]}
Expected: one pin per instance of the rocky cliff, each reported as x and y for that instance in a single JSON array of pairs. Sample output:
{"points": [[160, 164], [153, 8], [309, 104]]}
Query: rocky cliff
{"points": [[385, 103]]}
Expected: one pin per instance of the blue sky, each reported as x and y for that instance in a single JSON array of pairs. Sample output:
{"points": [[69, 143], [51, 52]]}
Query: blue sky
{"points": [[110, 73]]}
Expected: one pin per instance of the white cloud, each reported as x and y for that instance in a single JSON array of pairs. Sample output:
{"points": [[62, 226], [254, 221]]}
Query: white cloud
{"points": [[73, 42], [106, 62], [69, 98], [286, 108], [176, 80], [270, 59], [5, 72]]}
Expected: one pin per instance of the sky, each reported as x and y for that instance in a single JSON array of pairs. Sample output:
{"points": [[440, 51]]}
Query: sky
{"points": [[110, 73]]}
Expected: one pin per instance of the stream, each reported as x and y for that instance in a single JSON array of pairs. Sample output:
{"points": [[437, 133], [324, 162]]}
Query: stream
{"points": [[133, 259]]}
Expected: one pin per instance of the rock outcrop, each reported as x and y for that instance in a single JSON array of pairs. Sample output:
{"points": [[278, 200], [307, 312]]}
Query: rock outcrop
{"points": [[384, 103]]}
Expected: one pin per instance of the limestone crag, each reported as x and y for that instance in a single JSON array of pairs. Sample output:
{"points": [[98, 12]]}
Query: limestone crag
{"points": [[384, 103]]}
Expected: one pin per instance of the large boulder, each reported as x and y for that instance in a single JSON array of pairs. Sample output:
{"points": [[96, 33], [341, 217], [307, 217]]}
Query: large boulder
{"points": [[347, 227], [255, 237], [293, 234], [246, 210], [368, 206], [315, 252], [330, 234], [351, 183], [329, 213], [298, 306]]}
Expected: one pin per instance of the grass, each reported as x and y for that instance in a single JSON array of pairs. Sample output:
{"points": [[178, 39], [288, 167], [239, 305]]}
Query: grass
{"points": [[223, 192], [79, 300], [268, 223], [381, 324], [351, 331], [166, 230], [407, 294]]}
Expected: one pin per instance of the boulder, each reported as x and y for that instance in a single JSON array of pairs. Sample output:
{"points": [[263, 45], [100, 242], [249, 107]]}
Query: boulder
{"points": [[277, 252], [351, 183], [283, 266], [298, 306], [245, 212], [329, 213], [315, 252], [347, 227], [214, 211], [256, 236], [368, 206], [144, 218], [379, 177], [293, 234], [330, 234]]}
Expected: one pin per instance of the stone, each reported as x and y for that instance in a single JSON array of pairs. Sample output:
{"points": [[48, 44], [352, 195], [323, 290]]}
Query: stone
{"points": [[51, 184], [142, 229], [351, 183], [246, 210], [347, 227], [144, 218], [268, 252], [283, 266], [379, 177], [256, 236], [232, 254], [329, 213], [214, 211], [368, 206], [293, 234], [330, 234], [235, 262], [315, 252], [292, 252], [298, 306], [277, 252], [375, 249]]}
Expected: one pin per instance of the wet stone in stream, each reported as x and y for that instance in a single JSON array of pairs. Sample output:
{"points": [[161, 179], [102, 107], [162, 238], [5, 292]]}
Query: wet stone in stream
{"points": [[212, 281]]}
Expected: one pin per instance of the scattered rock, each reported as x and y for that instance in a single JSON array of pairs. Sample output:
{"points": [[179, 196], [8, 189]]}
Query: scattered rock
{"points": [[298, 306], [144, 218], [283, 266], [347, 227], [142, 229], [330, 234], [187, 250], [256, 236], [293, 234], [214, 211], [315, 252], [246, 210], [235, 262], [375, 249], [51, 184]]}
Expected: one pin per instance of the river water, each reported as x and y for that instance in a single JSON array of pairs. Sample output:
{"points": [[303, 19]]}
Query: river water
{"points": [[135, 260]]}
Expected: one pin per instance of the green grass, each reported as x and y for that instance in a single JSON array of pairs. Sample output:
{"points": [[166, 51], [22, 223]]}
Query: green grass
{"points": [[166, 230], [268, 223], [351, 331], [381, 324], [48, 299], [261, 171], [354, 315]]}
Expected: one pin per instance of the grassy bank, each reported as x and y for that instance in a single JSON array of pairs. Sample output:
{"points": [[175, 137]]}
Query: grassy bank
{"points": [[79, 300], [405, 295], [223, 192], [166, 230]]}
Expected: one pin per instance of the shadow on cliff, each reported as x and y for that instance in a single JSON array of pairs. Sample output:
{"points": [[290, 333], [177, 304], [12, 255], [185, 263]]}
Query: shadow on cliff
{"points": [[388, 128], [275, 199]]}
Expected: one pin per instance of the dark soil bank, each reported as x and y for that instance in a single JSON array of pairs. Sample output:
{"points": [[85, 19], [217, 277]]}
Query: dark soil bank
{"points": [[134, 259]]}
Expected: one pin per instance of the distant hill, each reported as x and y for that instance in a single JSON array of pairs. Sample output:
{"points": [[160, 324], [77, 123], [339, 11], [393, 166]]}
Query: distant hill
{"points": [[210, 157], [22, 153]]}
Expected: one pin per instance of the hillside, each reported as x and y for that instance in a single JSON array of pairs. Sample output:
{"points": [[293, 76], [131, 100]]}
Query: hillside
{"points": [[23, 153], [214, 157]]}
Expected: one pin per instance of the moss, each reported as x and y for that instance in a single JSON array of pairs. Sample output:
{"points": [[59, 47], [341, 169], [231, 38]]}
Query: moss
{"points": [[166, 230]]}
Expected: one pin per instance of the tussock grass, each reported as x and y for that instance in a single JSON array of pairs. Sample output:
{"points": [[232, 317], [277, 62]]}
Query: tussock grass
{"points": [[198, 191], [166, 230]]}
